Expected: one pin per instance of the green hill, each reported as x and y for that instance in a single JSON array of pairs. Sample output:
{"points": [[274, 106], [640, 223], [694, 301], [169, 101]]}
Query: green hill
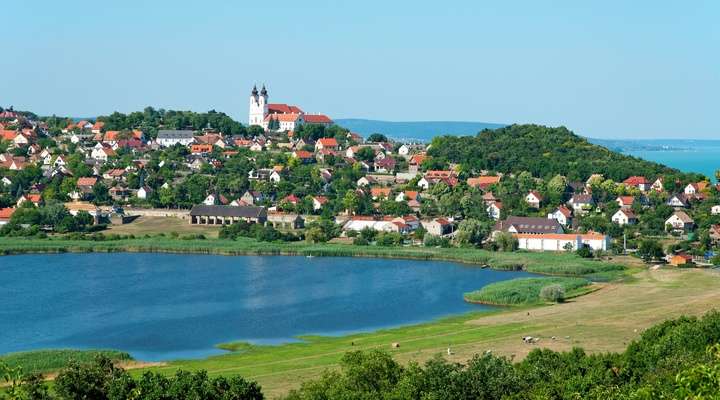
{"points": [[544, 152]]}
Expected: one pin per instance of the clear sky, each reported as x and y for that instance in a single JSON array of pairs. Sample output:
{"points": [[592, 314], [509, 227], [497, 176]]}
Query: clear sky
{"points": [[620, 69]]}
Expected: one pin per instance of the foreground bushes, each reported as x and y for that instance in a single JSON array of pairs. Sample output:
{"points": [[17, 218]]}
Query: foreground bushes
{"points": [[102, 380]]}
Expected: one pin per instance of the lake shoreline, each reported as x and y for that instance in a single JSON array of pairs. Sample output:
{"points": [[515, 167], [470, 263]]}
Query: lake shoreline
{"points": [[535, 262]]}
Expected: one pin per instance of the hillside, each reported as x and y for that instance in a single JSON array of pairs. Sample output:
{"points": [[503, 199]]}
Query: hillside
{"points": [[415, 130], [544, 152]]}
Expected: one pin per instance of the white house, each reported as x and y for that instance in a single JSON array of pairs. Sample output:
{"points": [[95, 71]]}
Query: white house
{"points": [[101, 153], [494, 209], [424, 183], [168, 138], [715, 210], [144, 192], [562, 214], [624, 217], [534, 199], [680, 221]]}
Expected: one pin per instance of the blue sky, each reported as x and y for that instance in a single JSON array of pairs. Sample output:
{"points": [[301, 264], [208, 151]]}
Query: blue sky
{"points": [[615, 69]]}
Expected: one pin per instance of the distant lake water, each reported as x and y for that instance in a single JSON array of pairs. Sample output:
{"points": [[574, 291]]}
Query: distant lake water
{"points": [[705, 160], [165, 306]]}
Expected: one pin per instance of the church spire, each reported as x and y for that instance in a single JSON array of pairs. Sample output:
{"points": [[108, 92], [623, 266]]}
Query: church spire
{"points": [[263, 92], [254, 91]]}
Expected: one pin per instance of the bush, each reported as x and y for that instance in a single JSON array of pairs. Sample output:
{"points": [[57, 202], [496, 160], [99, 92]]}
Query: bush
{"points": [[554, 293]]}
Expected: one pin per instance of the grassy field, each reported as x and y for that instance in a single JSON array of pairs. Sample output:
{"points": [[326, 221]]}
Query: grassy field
{"points": [[605, 320], [153, 225], [525, 290], [43, 361]]}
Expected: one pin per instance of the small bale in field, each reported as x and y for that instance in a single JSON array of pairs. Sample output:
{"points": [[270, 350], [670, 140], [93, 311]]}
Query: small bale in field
{"points": [[395, 345]]}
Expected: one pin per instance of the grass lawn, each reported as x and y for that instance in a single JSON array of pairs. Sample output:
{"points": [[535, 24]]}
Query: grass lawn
{"points": [[153, 225]]}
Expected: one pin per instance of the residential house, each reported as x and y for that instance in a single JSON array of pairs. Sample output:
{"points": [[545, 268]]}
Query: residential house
{"points": [[563, 215], [144, 192], [251, 197], [533, 199], [384, 165], [304, 156], [327, 144], [693, 189], [625, 201], [319, 202], [85, 186], [119, 193], [678, 201], [581, 202], [658, 185], [380, 192], [168, 138], [34, 198], [102, 153], [408, 195], [483, 182], [624, 216], [439, 226], [76, 207], [715, 210], [714, 233], [639, 182], [6, 215], [494, 210], [679, 221], [201, 148]]}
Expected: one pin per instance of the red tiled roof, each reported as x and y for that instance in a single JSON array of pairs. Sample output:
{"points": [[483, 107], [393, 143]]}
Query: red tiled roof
{"points": [[483, 181], [317, 119], [636, 180], [302, 154], [327, 142], [278, 108], [87, 181], [6, 213]]}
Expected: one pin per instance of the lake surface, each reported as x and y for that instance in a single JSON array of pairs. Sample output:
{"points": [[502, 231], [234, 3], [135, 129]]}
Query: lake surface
{"points": [[165, 306], [705, 160]]}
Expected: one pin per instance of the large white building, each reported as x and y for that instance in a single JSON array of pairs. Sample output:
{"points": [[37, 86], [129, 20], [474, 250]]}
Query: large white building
{"points": [[283, 117], [562, 241]]}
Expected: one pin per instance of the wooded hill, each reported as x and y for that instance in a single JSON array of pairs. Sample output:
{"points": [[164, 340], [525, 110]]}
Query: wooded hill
{"points": [[544, 152]]}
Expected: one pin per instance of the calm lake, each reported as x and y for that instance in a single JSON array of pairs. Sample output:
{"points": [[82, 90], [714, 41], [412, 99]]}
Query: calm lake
{"points": [[165, 306]]}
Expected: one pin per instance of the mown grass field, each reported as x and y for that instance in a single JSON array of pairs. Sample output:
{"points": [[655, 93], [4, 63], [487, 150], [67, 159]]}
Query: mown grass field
{"points": [[525, 290]]}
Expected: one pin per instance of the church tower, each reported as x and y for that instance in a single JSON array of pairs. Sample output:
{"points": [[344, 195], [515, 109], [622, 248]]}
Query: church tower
{"points": [[258, 106]]}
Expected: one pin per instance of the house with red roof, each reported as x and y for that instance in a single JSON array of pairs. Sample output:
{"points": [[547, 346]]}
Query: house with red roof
{"points": [[303, 155], [326, 143], [625, 201], [639, 182], [6, 214], [319, 202], [482, 182], [533, 199]]}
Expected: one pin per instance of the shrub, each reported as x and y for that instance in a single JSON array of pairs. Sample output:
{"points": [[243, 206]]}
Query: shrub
{"points": [[554, 293]]}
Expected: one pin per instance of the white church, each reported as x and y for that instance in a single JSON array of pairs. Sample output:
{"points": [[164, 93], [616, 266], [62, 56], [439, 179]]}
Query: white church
{"points": [[278, 116]]}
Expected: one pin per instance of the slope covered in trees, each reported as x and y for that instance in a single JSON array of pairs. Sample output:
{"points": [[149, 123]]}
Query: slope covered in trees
{"points": [[542, 151]]}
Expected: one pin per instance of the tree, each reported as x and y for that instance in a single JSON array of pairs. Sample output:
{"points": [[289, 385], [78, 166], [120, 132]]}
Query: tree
{"points": [[377, 138], [650, 249], [351, 202], [554, 293], [472, 232], [506, 241]]}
